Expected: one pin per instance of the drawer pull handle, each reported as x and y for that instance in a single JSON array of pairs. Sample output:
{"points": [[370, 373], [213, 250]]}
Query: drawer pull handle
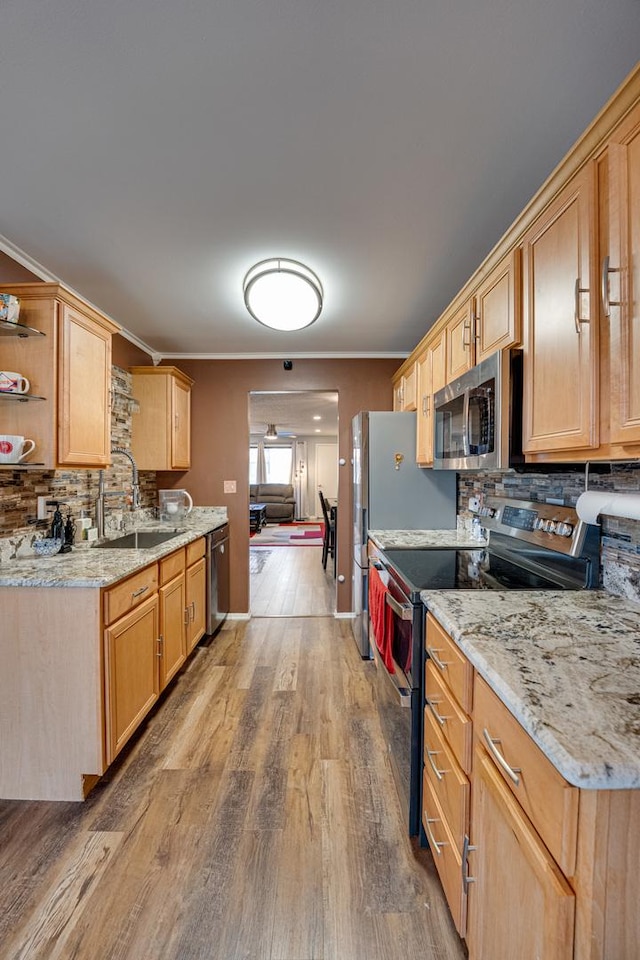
{"points": [[431, 705], [440, 664], [439, 773], [193, 610], [186, 616], [160, 642], [433, 843], [466, 850], [138, 593], [511, 772]]}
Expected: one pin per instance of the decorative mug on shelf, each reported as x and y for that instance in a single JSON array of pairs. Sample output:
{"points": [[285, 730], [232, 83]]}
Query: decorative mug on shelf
{"points": [[9, 308], [12, 382], [14, 449]]}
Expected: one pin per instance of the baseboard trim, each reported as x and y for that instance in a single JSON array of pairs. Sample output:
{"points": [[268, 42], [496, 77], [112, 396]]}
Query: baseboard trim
{"points": [[345, 616], [238, 616]]}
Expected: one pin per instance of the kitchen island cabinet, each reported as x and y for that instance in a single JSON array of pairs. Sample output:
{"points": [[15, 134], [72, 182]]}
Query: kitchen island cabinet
{"points": [[85, 657], [550, 863]]}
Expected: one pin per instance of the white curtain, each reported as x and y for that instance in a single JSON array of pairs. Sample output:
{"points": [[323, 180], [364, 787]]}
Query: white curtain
{"points": [[261, 465], [300, 474]]}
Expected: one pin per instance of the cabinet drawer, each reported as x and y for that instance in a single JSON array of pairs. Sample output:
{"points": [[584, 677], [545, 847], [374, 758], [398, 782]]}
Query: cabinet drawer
{"points": [[130, 592], [453, 722], [549, 801], [171, 566], [448, 782], [452, 665], [445, 856], [195, 550]]}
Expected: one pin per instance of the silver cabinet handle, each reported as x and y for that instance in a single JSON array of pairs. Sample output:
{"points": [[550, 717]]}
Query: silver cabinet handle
{"points": [[577, 290], [439, 773], [193, 610], [435, 844], [467, 327], [511, 772], [138, 593], [431, 705], [186, 616], [466, 850], [604, 280], [440, 664], [160, 641]]}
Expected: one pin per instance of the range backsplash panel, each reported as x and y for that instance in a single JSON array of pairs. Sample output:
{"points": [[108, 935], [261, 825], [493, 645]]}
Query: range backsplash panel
{"points": [[620, 538]]}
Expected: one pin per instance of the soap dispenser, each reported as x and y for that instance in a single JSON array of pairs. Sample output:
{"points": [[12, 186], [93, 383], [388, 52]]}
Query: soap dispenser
{"points": [[57, 524]]}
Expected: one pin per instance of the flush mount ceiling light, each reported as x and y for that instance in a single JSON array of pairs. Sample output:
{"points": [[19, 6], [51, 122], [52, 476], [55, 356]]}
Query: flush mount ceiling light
{"points": [[283, 294], [271, 433]]}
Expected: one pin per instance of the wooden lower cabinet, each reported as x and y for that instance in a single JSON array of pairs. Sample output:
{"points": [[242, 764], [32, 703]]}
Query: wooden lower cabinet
{"points": [[131, 672], [520, 905], [196, 602], [172, 649]]}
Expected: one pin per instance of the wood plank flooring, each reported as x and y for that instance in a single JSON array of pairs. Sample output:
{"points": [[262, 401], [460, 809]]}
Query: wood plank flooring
{"points": [[254, 817], [291, 583]]}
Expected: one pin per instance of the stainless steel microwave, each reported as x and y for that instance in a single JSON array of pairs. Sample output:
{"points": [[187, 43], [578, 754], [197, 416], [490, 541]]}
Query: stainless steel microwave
{"points": [[477, 422]]}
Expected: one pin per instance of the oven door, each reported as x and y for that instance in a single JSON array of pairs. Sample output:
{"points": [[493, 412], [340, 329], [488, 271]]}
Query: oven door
{"points": [[398, 697]]}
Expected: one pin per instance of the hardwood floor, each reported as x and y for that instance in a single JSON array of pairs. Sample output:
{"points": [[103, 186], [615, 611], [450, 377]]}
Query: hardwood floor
{"points": [[254, 817], [291, 583]]}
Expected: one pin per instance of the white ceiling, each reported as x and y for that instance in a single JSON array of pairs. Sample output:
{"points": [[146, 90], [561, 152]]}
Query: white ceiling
{"points": [[311, 413], [152, 151]]}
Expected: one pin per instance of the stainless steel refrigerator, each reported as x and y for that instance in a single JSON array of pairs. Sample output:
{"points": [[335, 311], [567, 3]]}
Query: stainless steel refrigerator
{"points": [[391, 492]]}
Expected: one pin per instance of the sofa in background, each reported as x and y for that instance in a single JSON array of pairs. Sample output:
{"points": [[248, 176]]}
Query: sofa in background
{"points": [[278, 497]]}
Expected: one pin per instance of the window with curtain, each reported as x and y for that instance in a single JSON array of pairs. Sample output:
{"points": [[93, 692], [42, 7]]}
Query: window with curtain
{"points": [[278, 464]]}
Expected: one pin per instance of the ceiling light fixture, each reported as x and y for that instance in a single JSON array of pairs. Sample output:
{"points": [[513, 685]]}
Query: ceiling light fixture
{"points": [[272, 433], [283, 294]]}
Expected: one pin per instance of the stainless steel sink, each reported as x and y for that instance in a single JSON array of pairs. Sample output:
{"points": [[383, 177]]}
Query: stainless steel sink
{"points": [[139, 540]]}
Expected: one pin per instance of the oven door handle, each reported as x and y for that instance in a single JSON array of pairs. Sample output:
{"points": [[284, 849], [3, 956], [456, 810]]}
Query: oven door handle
{"points": [[402, 610], [466, 445]]}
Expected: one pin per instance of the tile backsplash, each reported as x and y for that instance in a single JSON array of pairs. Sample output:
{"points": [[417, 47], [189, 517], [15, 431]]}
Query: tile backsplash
{"points": [[20, 487], [620, 538]]}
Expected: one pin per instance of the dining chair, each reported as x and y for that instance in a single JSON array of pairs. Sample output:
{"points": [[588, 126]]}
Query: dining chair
{"points": [[329, 538]]}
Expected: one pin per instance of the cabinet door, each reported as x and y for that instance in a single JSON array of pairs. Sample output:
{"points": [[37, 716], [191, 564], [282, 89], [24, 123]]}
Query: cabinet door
{"points": [[131, 672], [460, 355], [519, 905], [84, 437], [196, 603], [498, 308], [430, 371], [173, 615], [621, 282], [181, 431], [560, 341]]}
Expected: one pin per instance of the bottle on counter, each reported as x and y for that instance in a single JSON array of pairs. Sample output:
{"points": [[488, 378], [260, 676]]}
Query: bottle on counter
{"points": [[57, 524]]}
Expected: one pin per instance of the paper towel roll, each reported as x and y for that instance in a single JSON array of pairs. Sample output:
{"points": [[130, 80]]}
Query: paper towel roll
{"points": [[592, 503]]}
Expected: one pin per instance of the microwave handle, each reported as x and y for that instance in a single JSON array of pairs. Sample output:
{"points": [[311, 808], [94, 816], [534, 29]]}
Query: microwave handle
{"points": [[465, 430]]}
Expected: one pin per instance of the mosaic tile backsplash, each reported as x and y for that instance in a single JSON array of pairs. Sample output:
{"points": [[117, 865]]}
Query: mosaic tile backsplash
{"points": [[20, 488], [620, 538]]}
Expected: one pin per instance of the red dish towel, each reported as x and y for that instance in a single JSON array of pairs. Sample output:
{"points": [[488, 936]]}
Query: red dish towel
{"points": [[381, 618]]}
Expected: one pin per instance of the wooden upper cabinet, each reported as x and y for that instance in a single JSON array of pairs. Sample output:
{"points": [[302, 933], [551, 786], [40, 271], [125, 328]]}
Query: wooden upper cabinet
{"points": [[560, 322], [621, 281], [498, 308], [161, 429], [431, 374], [405, 391], [69, 368], [459, 351]]}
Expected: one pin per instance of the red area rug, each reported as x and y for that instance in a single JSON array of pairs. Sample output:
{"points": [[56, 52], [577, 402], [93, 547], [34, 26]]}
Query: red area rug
{"points": [[289, 535]]}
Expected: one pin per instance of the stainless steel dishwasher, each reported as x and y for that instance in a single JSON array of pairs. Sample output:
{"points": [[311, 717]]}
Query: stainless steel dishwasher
{"points": [[217, 578]]}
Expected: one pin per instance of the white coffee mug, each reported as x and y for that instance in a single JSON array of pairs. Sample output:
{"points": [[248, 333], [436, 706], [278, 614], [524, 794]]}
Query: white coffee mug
{"points": [[11, 382], [12, 449]]}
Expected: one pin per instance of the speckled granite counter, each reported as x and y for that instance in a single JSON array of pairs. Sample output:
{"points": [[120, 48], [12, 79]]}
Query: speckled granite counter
{"points": [[88, 566], [424, 540], [568, 667]]}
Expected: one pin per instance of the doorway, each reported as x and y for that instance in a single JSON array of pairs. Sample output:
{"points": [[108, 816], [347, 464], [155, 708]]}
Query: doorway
{"points": [[294, 444]]}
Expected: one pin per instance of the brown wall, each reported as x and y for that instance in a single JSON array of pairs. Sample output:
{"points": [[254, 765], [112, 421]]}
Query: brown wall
{"points": [[125, 354], [13, 272], [220, 441]]}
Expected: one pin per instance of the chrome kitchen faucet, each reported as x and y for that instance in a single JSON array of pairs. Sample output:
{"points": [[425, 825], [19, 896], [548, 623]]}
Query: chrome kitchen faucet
{"points": [[102, 493]]}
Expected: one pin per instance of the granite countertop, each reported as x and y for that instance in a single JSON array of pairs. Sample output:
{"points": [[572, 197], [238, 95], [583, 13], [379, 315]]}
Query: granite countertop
{"points": [[425, 540], [88, 566], [567, 665]]}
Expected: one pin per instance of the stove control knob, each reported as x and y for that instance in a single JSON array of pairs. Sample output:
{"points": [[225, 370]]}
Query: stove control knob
{"points": [[564, 529]]}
